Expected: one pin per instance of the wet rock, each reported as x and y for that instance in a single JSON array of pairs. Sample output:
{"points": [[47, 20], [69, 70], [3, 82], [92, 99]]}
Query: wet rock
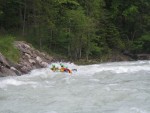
{"points": [[16, 71], [44, 64], [6, 72], [25, 69]]}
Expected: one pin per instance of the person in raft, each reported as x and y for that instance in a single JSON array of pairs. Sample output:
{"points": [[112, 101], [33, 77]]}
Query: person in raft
{"points": [[54, 68], [63, 69]]}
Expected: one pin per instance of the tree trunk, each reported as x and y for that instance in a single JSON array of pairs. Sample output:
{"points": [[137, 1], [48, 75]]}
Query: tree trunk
{"points": [[80, 49], [51, 38], [80, 53], [21, 16], [87, 56], [69, 51], [133, 35], [40, 43], [24, 18], [87, 51]]}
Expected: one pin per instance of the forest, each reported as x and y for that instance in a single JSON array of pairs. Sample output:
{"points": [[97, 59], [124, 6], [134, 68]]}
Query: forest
{"points": [[78, 29]]}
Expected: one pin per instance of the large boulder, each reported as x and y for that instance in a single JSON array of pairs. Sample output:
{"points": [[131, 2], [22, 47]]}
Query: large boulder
{"points": [[44, 64], [16, 71], [6, 72]]}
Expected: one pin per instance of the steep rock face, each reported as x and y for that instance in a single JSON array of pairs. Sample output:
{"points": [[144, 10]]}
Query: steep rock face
{"points": [[30, 59], [5, 68]]}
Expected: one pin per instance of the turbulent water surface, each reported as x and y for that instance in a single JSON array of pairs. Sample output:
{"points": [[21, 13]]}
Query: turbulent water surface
{"points": [[122, 87]]}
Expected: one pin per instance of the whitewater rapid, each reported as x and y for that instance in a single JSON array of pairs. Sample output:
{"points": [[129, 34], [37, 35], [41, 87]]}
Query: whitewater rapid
{"points": [[120, 87]]}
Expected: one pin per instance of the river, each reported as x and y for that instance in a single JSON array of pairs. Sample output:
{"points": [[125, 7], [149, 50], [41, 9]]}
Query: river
{"points": [[119, 87]]}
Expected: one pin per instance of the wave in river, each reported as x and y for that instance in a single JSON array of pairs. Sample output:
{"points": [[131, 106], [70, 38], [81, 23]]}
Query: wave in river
{"points": [[119, 87]]}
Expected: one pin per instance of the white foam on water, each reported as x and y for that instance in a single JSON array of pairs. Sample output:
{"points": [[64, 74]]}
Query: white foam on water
{"points": [[119, 87], [14, 82], [137, 110], [121, 67]]}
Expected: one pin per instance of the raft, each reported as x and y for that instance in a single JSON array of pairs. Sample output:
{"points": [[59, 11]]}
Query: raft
{"points": [[63, 70]]}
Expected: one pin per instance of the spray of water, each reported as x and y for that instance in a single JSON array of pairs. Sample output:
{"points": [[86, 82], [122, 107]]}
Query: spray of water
{"points": [[122, 87]]}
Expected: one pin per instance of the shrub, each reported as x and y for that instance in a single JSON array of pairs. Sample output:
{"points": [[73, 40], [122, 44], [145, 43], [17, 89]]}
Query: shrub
{"points": [[7, 48], [142, 44]]}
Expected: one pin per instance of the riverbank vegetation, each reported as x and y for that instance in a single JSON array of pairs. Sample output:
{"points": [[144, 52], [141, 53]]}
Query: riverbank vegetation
{"points": [[79, 29], [8, 49]]}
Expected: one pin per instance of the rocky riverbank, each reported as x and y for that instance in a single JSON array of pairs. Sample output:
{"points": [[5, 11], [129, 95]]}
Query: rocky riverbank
{"points": [[30, 59]]}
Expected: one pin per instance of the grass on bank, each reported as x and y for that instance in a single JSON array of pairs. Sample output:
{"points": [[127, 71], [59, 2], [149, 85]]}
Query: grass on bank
{"points": [[8, 49]]}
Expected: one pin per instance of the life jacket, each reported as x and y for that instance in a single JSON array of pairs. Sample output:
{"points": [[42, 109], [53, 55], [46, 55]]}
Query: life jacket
{"points": [[62, 69], [65, 70], [68, 70]]}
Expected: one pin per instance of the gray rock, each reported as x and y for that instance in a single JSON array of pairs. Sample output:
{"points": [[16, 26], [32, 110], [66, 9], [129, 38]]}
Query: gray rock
{"points": [[44, 64], [143, 56], [26, 46], [32, 61], [25, 69], [23, 48], [3, 60], [27, 55], [7, 72], [16, 71], [38, 59]]}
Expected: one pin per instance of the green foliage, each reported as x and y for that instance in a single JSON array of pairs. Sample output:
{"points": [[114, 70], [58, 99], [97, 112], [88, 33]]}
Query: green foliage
{"points": [[71, 2], [7, 48], [142, 45], [137, 46], [1, 13], [131, 13], [79, 28], [96, 50], [146, 43]]}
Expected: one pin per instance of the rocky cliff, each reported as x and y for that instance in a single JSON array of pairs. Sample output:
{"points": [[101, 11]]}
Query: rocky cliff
{"points": [[30, 59]]}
